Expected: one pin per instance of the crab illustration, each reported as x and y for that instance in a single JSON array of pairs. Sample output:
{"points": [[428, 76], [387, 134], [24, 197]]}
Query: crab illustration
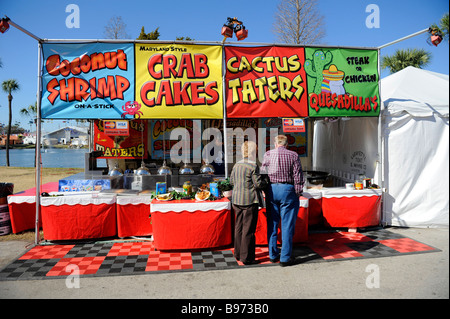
{"points": [[132, 108]]}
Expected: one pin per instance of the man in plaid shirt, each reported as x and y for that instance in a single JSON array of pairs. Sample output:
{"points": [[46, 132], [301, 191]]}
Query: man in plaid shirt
{"points": [[286, 185]]}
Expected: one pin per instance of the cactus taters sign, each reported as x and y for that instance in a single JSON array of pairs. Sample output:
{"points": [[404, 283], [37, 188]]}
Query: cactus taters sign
{"points": [[265, 82]]}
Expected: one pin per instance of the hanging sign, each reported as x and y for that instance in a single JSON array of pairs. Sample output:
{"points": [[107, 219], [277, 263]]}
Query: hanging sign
{"points": [[113, 128], [342, 82], [179, 81], [297, 141], [115, 81], [265, 82], [160, 136], [293, 125], [87, 80], [133, 145]]}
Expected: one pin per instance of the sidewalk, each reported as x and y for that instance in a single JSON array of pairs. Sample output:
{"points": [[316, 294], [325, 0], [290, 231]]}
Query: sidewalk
{"points": [[409, 276]]}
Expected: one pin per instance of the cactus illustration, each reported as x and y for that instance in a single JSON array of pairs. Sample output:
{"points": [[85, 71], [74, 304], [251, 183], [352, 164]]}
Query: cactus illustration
{"points": [[315, 67]]}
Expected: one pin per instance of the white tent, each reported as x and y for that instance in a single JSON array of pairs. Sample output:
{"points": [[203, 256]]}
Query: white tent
{"points": [[414, 151], [346, 148], [415, 136]]}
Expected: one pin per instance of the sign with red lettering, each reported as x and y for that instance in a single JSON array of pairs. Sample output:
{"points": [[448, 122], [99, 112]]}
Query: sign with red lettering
{"points": [[132, 145], [342, 82], [293, 125], [161, 143], [265, 82], [176, 81], [88, 81], [116, 128], [297, 141]]}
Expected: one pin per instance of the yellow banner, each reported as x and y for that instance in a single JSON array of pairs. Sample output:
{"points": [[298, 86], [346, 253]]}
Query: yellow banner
{"points": [[179, 81]]}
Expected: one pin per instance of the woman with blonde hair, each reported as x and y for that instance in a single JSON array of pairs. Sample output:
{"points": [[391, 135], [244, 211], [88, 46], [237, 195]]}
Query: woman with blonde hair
{"points": [[246, 200]]}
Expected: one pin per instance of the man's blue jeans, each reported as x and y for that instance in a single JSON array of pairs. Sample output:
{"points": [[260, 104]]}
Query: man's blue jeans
{"points": [[283, 205]]}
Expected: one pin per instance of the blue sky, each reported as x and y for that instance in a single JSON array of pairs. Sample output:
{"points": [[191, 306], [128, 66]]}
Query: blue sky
{"points": [[345, 25]]}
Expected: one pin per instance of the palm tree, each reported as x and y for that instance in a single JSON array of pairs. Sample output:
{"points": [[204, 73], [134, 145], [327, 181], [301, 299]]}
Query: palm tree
{"points": [[443, 26], [9, 86], [401, 59], [30, 111]]}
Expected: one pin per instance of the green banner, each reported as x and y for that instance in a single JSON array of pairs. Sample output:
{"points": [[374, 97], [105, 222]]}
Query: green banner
{"points": [[342, 82]]}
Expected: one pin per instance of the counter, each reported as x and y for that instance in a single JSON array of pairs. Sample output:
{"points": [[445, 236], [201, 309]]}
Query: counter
{"points": [[133, 216], [179, 224], [74, 217], [191, 224], [315, 215], [301, 225], [342, 207], [22, 207]]}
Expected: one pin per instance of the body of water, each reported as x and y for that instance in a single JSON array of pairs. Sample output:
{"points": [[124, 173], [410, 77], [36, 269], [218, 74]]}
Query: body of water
{"points": [[51, 157]]}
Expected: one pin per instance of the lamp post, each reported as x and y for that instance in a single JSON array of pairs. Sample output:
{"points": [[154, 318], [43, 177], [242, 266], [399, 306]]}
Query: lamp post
{"points": [[435, 37]]}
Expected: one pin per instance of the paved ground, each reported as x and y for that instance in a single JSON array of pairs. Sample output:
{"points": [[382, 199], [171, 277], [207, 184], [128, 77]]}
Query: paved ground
{"points": [[410, 276]]}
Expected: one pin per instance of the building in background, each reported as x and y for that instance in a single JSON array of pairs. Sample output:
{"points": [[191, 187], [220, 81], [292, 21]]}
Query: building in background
{"points": [[69, 135]]}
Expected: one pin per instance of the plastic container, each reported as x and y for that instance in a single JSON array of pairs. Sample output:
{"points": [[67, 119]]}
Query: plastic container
{"points": [[213, 189], [161, 188], [187, 188], [367, 182]]}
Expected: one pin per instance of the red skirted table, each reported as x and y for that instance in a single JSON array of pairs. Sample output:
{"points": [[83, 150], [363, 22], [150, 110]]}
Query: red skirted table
{"points": [[342, 207], [133, 216], [301, 225], [84, 216], [22, 207], [315, 216], [191, 224]]}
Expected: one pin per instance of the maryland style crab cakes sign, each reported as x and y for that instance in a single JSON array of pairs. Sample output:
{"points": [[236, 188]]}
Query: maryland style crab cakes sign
{"points": [[179, 81]]}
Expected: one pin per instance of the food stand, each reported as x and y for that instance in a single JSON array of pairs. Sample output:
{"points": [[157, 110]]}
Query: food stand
{"points": [[154, 105]]}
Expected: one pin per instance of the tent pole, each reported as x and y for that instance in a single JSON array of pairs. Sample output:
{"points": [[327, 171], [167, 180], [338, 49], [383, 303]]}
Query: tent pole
{"points": [[225, 139], [38, 148], [380, 159], [38, 127]]}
